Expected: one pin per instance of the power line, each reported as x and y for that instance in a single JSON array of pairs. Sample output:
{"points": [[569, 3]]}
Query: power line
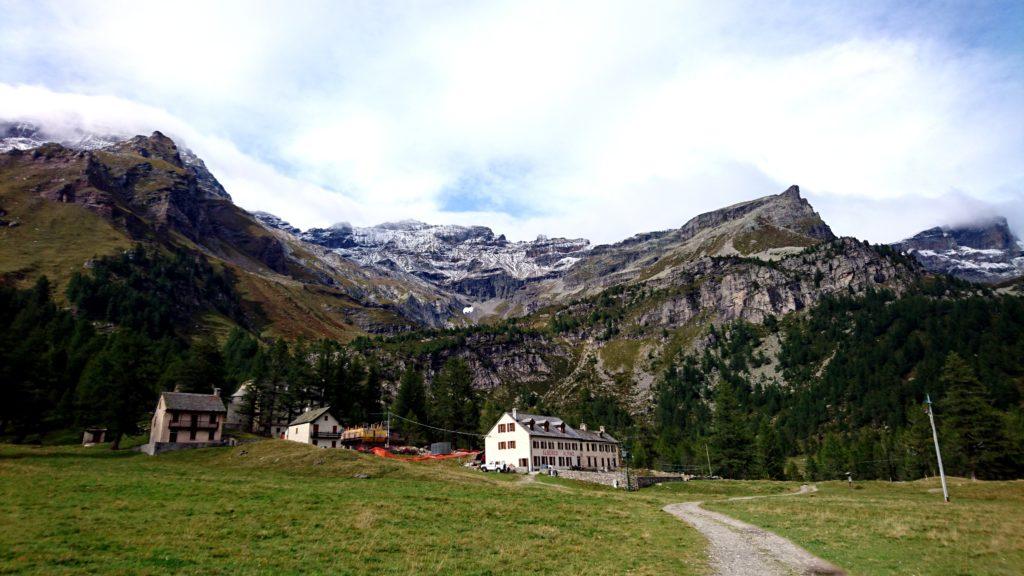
{"points": [[393, 415]]}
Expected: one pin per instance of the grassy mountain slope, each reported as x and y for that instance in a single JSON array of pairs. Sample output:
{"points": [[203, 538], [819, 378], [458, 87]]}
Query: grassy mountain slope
{"points": [[70, 206]]}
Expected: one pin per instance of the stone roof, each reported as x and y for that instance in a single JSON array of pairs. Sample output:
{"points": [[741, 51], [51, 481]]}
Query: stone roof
{"points": [[193, 402], [553, 430], [309, 416]]}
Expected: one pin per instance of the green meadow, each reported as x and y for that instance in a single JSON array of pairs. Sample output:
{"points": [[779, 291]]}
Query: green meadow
{"points": [[274, 507]]}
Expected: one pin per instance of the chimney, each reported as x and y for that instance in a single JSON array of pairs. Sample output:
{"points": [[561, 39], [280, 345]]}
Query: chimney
{"points": [[515, 413], [177, 387], [583, 426], [547, 425], [601, 431], [216, 392]]}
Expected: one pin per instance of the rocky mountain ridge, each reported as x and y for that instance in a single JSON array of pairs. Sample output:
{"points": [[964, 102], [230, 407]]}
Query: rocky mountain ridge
{"points": [[985, 252], [468, 260], [26, 135]]}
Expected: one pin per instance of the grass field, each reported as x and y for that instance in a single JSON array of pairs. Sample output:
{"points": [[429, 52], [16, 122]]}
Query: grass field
{"points": [[284, 508], [276, 507], [901, 528]]}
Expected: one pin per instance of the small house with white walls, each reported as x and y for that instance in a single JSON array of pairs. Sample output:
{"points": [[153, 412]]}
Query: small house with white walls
{"points": [[531, 442], [316, 427]]}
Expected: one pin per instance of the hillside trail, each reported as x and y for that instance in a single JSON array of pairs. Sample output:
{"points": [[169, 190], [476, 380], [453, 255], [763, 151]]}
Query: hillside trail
{"points": [[532, 481], [741, 549]]}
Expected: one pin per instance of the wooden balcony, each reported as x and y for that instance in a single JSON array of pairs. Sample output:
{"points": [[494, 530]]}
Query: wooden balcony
{"points": [[324, 435], [187, 423]]}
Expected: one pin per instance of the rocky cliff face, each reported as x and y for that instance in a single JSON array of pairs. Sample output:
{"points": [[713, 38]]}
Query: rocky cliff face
{"points": [[987, 252], [467, 260]]}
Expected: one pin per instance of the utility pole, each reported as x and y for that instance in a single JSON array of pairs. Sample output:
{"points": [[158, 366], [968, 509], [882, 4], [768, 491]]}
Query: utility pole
{"points": [[708, 454], [938, 453], [387, 440]]}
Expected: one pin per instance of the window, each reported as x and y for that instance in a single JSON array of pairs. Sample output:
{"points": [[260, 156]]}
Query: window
{"points": [[501, 427], [536, 460], [511, 444], [536, 444], [501, 445], [192, 434], [523, 462], [194, 417], [511, 428], [334, 443], [210, 435], [213, 418], [174, 416], [174, 436]]}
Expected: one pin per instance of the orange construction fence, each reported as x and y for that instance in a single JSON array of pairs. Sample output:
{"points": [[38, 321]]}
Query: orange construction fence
{"points": [[457, 454]]}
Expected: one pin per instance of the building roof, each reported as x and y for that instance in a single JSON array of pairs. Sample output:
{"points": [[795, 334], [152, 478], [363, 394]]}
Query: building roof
{"points": [[309, 416], [554, 431], [243, 389], [193, 402]]}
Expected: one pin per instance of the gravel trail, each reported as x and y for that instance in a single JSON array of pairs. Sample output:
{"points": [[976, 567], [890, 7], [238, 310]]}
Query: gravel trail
{"points": [[740, 549]]}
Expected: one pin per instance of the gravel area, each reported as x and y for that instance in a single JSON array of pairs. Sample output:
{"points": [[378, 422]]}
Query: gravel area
{"points": [[741, 549]]}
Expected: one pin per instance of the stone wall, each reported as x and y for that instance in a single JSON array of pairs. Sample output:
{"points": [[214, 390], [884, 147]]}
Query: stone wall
{"points": [[606, 478], [646, 481]]}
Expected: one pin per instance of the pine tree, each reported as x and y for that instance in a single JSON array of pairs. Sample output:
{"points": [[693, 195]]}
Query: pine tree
{"points": [[117, 386], [833, 458], [731, 439], [811, 472], [453, 400], [967, 412], [770, 456], [792, 471]]}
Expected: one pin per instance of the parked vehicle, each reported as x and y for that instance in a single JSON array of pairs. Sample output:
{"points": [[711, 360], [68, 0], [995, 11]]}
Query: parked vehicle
{"points": [[494, 467]]}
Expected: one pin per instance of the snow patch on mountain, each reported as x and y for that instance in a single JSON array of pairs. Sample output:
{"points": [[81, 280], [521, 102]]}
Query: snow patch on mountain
{"points": [[469, 260], [987, 252]]}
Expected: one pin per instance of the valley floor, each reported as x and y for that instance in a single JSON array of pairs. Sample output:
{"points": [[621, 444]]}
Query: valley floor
{"points": [[275, 507]]}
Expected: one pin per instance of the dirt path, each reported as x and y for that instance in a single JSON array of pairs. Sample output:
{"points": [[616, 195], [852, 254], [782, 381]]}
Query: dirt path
{"points": [[740, 549]]}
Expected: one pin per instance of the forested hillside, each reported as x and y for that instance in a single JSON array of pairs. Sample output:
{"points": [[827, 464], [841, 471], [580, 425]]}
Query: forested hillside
{"points": [[839, 387]]}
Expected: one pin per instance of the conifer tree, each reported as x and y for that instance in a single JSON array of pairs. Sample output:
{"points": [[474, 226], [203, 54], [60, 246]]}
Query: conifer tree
{"points": [[731, 439], [770, 456], [968, 413]]}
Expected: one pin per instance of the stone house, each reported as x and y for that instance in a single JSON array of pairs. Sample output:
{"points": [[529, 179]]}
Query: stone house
{"points": [[186, 420]]}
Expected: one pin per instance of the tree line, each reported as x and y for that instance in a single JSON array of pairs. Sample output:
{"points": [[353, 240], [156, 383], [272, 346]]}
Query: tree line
{"points": [[853, 377]]}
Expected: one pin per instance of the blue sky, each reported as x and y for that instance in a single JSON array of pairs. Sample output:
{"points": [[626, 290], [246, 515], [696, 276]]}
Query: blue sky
{"points": [[594, 119]]}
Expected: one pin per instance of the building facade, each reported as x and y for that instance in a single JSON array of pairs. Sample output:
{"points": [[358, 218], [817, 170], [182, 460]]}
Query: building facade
{"points": [[185, 420], [316, 427], [243, 415], [532, 442]]}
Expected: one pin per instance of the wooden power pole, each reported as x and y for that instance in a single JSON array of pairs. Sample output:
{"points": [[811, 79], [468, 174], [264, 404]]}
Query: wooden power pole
{"points": [[938, 453]]}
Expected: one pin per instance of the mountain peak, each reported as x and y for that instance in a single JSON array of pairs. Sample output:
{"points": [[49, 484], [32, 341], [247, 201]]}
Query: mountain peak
{"points": [[792, 192], [156, 145], [982, 251]]}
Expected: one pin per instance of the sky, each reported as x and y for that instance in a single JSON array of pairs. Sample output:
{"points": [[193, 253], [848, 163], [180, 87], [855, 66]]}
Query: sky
{"points": [[579, 119]]}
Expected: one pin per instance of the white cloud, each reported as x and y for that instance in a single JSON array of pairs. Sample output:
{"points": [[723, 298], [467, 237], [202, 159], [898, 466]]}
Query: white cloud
{"points": [[625, 117]]}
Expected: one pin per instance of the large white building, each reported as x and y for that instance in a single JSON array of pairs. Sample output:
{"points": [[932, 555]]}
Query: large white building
{"points": [[531, 442]]}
